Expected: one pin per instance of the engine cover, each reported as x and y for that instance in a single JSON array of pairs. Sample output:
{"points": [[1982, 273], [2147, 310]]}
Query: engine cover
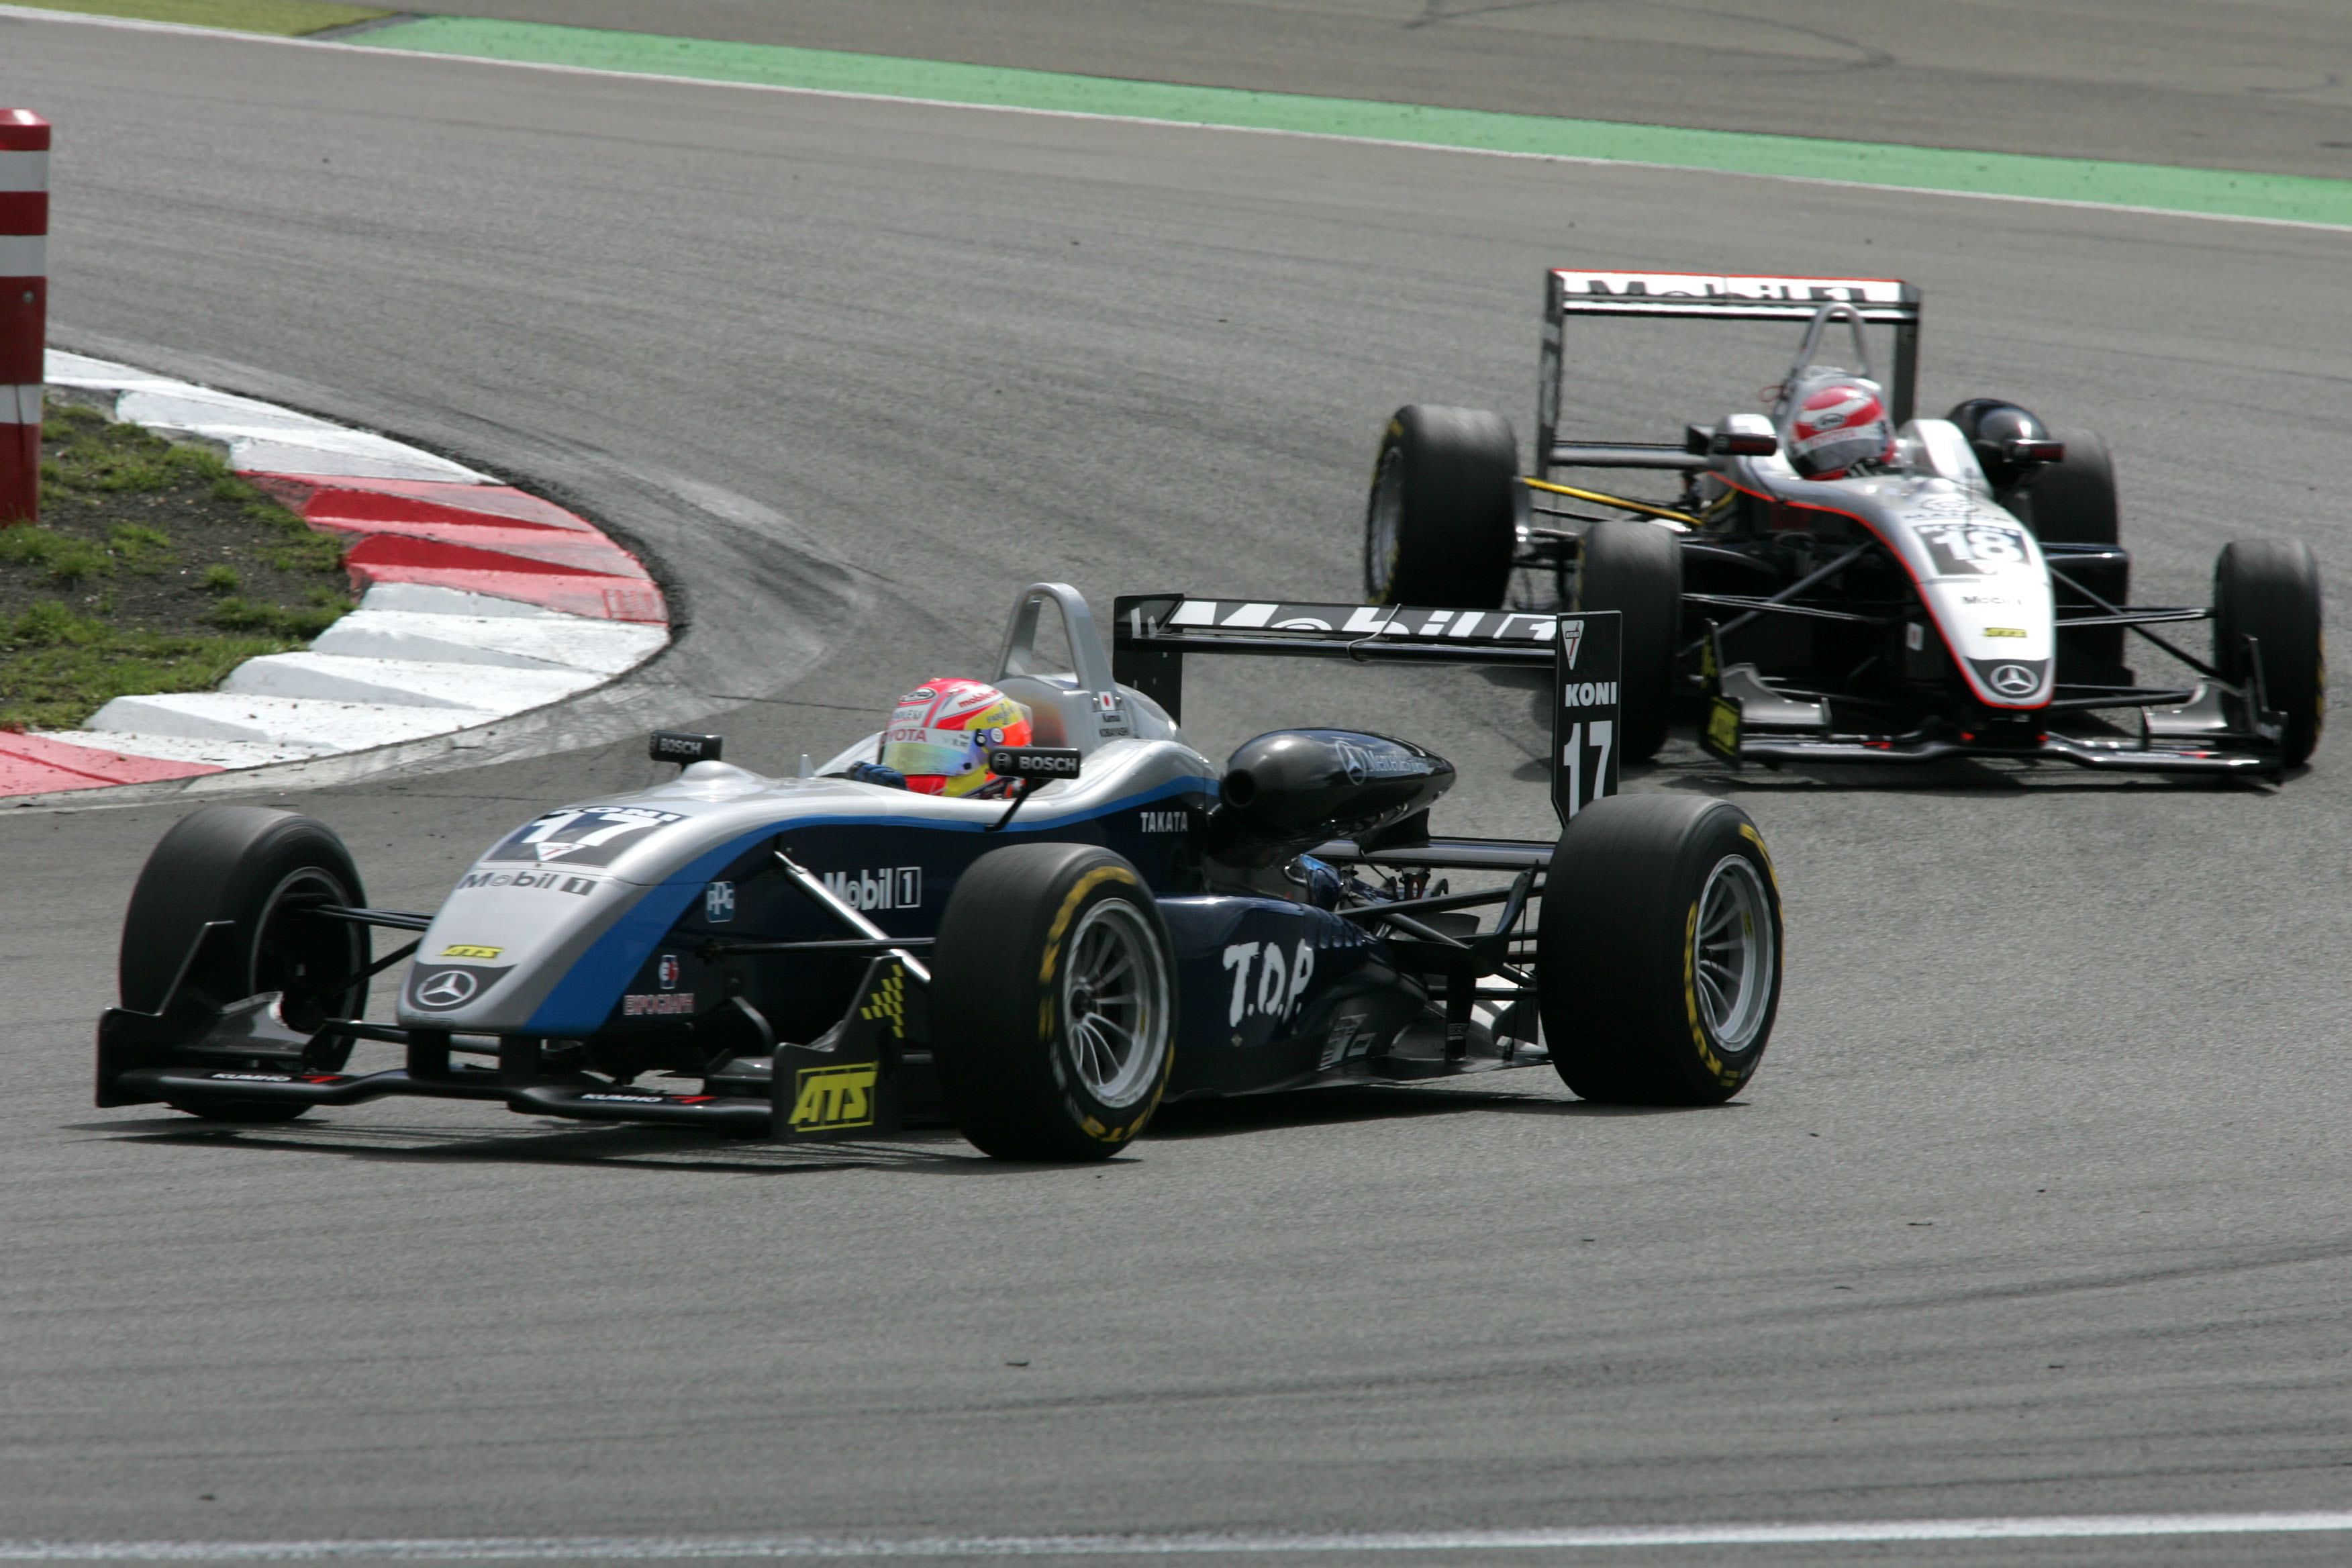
{"points": [[1291, 789]]}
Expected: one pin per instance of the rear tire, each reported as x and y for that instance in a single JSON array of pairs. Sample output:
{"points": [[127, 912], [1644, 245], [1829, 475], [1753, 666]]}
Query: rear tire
{"points": [[1636, 569], [1055, 990], [255, 869], [1658, 951], [1441, 527], [2268, 589], [2073, 502]]}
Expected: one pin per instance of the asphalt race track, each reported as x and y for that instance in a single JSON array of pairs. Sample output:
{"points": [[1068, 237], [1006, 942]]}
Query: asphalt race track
{"points": [[2041, 1205]]}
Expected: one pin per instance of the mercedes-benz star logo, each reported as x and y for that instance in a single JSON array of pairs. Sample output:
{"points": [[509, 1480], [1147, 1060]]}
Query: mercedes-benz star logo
{"points": [[450, 988], [2014, 680]]}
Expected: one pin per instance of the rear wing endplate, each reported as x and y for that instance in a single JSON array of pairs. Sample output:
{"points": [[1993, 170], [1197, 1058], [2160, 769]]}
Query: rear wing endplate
{"points": [[1151, 633], [1567, 291]]}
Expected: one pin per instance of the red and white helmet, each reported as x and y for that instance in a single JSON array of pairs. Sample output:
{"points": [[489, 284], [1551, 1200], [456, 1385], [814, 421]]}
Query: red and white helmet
{"points": [[1831, 420], [939, 734]]}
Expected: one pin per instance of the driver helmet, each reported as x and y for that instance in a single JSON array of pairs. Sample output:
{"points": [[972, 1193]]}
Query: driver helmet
{"points": [[939, 734], [1831, 420]]}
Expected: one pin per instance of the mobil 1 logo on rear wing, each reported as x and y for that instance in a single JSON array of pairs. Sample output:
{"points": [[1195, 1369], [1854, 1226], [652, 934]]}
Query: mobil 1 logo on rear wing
{"points": [[1357, 623], [1583, 292], [1584, 718]]}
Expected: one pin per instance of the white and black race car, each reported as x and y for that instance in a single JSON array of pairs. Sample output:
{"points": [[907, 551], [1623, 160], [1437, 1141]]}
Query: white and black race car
{"points": [[816, 957], [1967, 596]]}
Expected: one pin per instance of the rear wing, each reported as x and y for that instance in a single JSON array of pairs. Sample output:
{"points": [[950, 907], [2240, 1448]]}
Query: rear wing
{"points": [[1151, 633], [1567, 291]]}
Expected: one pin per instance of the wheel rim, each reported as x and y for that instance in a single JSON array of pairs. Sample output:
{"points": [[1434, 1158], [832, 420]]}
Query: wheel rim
{"points": [[1384, 523], [294, 951], [1115, 1005], [1731, 954]]}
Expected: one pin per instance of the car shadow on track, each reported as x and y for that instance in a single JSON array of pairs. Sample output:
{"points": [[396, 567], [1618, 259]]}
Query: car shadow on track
{"points": [[920, 1150], [1375, 1103], [936, 1151]]}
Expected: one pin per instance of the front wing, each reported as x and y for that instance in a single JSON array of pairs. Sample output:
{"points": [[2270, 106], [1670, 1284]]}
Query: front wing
{"points": [[2197, 738]]}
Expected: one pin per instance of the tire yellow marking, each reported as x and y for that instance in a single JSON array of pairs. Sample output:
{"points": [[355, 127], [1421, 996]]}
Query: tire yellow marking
{"points": [[1706, 1055], [1748, 831]]}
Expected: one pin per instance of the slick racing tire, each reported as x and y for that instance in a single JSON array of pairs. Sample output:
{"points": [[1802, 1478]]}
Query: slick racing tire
{"points": [[1636, 569], [2072, 501], [1053, 993], [1658, 951], [1441, 527], [2268, 589], [257, 871]]}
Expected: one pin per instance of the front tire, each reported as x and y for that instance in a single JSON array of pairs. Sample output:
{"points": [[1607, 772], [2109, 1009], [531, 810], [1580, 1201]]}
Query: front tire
{"points": [[2268, 589], [258, 871], [2072, 501], [1055, 993], [1636, 569], [1658, 951], [1442, 526]]}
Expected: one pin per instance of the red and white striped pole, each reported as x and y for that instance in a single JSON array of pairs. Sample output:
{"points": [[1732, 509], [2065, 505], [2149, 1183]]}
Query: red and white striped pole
{"points": [[24, 308]]}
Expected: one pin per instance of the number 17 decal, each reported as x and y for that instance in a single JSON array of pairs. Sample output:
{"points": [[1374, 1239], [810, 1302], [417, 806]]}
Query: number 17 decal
{"points": [[1596, 741], [1584, 715]]}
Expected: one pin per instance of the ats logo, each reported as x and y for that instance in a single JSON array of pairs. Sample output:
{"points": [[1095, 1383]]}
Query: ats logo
{"points": [[834, 1097]]}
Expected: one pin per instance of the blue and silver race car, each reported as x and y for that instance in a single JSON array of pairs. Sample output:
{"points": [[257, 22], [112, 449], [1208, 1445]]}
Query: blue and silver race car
{"points": [[824, 956]]}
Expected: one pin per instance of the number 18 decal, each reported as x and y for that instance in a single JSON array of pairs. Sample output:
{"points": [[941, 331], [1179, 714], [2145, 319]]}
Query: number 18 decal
{"points": [[1971, 549]]}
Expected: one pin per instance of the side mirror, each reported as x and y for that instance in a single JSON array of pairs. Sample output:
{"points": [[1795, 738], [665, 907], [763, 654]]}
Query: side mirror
{"points": [[681, 747], [2021, 451], [1739, 436]]}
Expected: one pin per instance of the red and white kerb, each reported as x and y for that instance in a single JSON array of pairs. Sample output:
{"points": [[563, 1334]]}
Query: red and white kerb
{"points": [[24, 307]]}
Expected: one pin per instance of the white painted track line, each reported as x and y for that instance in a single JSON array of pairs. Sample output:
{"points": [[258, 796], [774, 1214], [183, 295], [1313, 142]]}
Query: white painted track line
{"points": [[653, 1549]]}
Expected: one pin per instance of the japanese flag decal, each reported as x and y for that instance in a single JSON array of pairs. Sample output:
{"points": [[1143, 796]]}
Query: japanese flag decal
{"points": [[1584, 722]]}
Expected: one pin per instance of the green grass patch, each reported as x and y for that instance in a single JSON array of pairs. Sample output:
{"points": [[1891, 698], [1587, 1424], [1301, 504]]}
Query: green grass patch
{"points": [[304, 548], [236, 614], [153, 568], [58, 668], [92, 454], [288, 18], [60, 558]]}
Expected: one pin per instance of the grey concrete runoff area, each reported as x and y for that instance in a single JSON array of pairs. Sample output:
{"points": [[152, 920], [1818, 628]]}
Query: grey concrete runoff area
{"points": [[2042, 1204]]}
